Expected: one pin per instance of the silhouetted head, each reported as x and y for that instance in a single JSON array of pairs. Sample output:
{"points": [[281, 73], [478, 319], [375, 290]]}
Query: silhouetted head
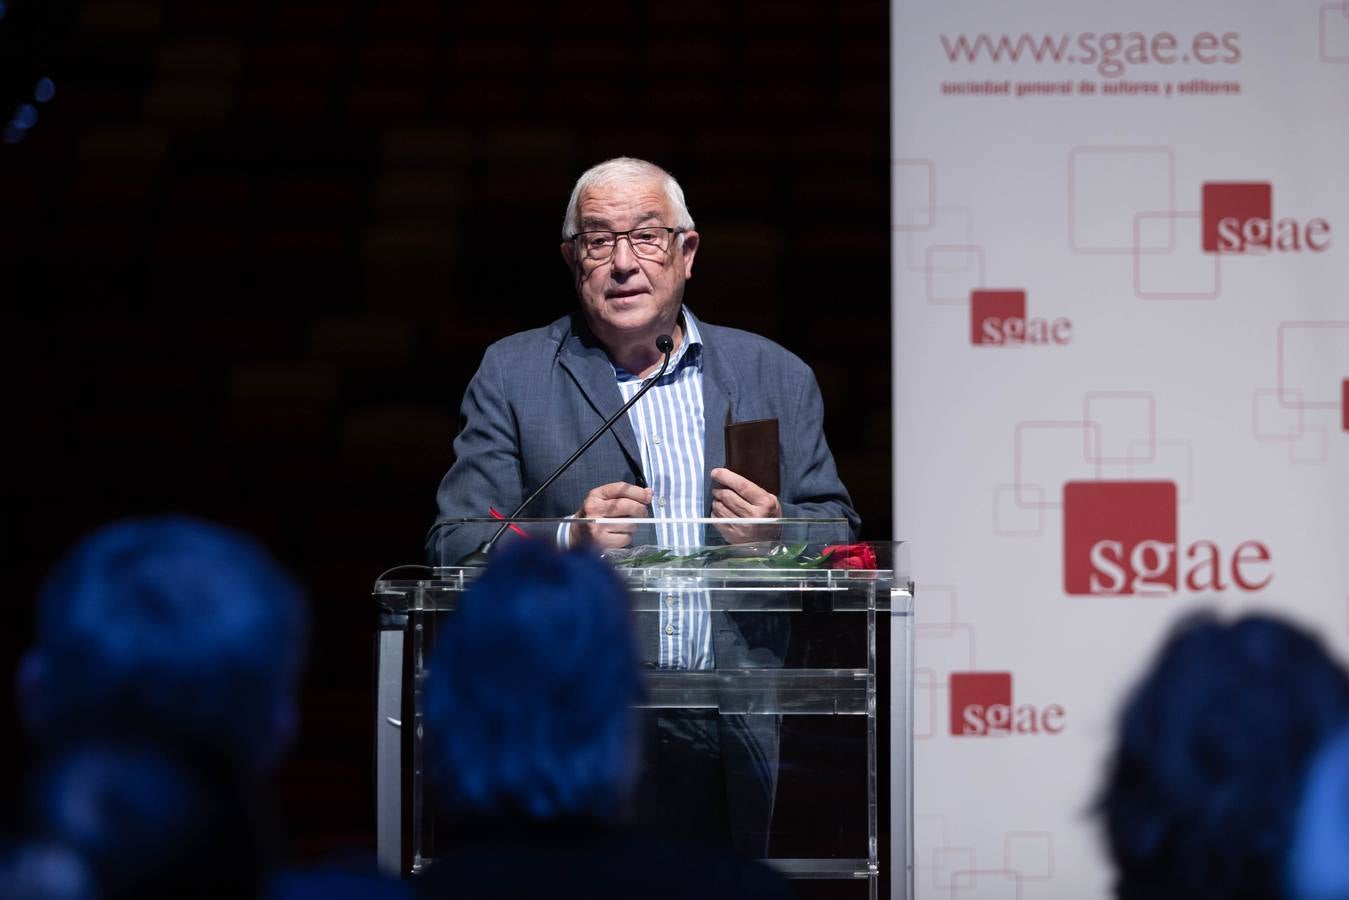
{"points": [[169, 627], [1213, 746], [143, 822], [528, 702]]}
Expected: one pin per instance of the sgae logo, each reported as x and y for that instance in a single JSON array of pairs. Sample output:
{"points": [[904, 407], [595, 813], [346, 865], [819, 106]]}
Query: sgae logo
{"points": [[998, 317], [1120, 537], [1239, 218], [981, 704]]}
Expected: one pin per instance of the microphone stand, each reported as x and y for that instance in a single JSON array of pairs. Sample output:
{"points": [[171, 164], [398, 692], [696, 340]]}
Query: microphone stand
{"points": [[479, 556]]}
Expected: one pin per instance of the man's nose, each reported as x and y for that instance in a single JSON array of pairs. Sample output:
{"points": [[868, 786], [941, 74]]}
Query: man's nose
{"points": [[624, 259]]}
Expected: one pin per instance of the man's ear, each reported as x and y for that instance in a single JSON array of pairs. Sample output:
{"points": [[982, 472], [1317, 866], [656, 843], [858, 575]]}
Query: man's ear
{"points": [[577, 273], [30, 685], [687, 251]]}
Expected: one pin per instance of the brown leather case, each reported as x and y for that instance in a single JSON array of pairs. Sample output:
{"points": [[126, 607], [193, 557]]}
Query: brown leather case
{"points": [[752, 451]]}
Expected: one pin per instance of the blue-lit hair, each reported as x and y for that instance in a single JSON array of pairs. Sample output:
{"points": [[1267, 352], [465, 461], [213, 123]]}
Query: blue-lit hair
{"points": [[1318, 863], [528, 702], [171, 627], [1213, 748]]}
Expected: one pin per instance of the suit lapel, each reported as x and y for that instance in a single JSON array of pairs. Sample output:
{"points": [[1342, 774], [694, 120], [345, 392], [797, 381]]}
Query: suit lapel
{"points": [[589, 367], [718, 407]]}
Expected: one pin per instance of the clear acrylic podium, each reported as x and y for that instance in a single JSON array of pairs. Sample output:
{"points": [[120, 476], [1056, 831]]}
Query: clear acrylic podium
{"points": [[812, 667]]}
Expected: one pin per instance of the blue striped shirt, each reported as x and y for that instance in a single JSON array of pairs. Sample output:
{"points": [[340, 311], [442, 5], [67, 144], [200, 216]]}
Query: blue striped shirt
{"points": [[668, 421]]}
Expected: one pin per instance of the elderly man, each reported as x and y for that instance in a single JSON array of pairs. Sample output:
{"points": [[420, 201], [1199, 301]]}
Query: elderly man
{"points": [[630, 243]]}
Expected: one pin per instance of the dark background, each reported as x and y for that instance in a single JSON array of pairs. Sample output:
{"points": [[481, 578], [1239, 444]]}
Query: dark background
{"points": [[252, 252]]}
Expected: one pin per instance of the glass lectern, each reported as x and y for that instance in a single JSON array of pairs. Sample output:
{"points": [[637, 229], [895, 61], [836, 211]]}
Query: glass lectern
{"points": [[806, 690]]}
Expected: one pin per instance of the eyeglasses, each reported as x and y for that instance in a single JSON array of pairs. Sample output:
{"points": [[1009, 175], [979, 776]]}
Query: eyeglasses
{"points": [[649, 241]]}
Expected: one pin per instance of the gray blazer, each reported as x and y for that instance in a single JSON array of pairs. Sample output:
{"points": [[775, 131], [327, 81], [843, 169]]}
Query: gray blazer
{"points": [[539, 394]]}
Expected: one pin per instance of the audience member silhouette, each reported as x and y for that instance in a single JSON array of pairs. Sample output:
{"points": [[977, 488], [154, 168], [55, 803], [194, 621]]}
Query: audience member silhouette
{"points": [[1318, 864], [173, 628], [533, 740], [1213, 747], [165, 674]]}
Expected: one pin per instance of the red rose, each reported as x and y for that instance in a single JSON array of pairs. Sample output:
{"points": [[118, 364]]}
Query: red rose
{"points": [[850, 556]]}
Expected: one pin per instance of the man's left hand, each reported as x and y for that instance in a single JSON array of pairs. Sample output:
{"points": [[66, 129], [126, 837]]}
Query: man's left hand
{"points": [[736, 497]]}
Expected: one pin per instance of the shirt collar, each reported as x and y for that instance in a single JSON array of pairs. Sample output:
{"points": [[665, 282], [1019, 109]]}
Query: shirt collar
{"points": [[690, 349], [693, 339]]}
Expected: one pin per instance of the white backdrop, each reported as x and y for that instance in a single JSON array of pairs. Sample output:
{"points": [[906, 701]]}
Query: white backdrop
{"points": [[1121, 350]]}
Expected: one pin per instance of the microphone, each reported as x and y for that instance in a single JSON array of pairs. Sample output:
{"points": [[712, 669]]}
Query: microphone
{"points": [[665, 344]]}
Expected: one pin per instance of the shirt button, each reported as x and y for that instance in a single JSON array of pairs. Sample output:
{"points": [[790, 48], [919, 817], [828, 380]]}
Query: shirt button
{"points": [[655, 439], [669, 601], [663, 502], [669, 629]]}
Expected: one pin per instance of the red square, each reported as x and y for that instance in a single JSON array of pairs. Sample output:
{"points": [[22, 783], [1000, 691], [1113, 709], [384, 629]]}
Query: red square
{"points": [[1119, 537], [981, 690], [990, 311], [1228, 207]]}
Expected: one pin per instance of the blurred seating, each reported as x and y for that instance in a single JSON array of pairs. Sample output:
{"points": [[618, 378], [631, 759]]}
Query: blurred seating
{"points": [[200, 58], [95, 244], [123, 146], [426, 148], [700, 13], [364, 342], [419, 195], [228, 335], [605, 141], [121, 17], [313, 196], [394, 244], [682, 56], [326, 19], [404, 17], [820, 148], [783, 13], [294, 81], [452, 336], [310, 216], [191, 103], [393, 83], [537, 144], [214, 16], [117, 170], [279, 404], [393, 430], [139, 426], [198, 241], [487, 78], [209, 196]]}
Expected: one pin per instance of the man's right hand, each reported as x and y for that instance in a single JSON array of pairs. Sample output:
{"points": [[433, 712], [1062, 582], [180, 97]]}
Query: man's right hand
{"points": [[616, 500]]}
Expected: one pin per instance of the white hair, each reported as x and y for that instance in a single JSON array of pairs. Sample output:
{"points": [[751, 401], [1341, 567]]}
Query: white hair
{"points": [[626, 170]]}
